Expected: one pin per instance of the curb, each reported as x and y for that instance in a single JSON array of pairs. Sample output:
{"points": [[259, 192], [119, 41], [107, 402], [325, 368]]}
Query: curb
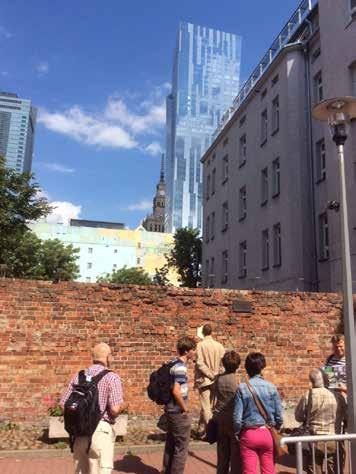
{"points": [[128, 449]]}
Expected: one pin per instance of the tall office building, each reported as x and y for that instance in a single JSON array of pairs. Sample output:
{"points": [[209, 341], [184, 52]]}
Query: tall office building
{"points": [[17, 131], [206, 77]]}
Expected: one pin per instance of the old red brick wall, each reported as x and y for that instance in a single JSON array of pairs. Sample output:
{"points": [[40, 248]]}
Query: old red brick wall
{"points": [[47, 331]]}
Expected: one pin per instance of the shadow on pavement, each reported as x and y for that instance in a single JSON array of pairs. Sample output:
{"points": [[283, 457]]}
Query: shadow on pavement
{"points": [[133, 464], [199, 458]]}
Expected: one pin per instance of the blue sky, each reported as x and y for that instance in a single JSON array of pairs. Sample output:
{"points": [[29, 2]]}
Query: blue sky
{"points": [[99, 71]]}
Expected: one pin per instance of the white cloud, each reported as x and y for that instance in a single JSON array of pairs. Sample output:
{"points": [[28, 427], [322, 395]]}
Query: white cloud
{"points": [[154, 115], [154, 149], [42, 68], [62, 212], [58, 168], [5, 33], [144, 205], [87, 129]]}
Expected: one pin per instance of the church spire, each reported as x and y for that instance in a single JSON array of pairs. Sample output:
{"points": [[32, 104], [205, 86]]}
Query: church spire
{"points": [[161, 178]]}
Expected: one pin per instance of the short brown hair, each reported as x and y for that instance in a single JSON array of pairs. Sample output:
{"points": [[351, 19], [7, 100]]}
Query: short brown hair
{"points": [[185, 344], [231, 361], [207, 330], [338, 338]]}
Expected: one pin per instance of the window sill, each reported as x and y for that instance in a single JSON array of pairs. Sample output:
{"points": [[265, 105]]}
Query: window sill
{"points": [[264, 269], [263, 143], [242, 218], [277, 265], [242, 163], [275, 195], [323, 259], [263, 203], [275, 132], [320, 180]]}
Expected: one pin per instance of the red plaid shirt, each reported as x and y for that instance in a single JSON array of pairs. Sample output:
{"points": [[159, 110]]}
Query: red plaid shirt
{"points": [[109, 387]]}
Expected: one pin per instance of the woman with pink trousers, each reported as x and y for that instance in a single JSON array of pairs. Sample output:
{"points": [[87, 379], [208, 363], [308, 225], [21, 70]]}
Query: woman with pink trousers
{"points": [[256, 443]]}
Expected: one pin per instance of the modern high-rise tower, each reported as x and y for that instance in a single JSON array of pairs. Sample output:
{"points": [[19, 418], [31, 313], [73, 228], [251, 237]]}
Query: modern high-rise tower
{"points": [[17, 131], [206, 78]]}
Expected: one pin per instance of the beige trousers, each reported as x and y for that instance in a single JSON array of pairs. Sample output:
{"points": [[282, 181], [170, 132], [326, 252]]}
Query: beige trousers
{"points": [[100, 458], [207, 399]]}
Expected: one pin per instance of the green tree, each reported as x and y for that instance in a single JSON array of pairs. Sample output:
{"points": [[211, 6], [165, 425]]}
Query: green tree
{"points": [[20, 203], [58, 261], [132, 276], [42, 259], [186, 255], [161, 276]]}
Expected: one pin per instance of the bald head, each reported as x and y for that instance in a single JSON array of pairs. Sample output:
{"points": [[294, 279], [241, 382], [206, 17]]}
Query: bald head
{"points": [[316, 378], [101, 352]]}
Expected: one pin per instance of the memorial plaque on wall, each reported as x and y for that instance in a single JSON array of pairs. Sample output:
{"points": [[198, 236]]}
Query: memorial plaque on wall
{"points": [[241, 305]]}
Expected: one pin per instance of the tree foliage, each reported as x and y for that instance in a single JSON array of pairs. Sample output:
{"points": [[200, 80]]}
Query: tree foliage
{"points": [[161, 276], [186, 256], [22, 253], [131, 276]]}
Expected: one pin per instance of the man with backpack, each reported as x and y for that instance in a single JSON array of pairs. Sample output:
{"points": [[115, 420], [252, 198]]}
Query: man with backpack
{"points": [[176, 408], [92, 401]]}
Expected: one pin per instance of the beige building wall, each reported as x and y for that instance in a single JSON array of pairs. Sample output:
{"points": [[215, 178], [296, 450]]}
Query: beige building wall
{"points": [[295, 261]]}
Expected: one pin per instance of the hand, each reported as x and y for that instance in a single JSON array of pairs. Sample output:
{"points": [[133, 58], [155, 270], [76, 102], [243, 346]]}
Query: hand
{"points": [[237, 436]]}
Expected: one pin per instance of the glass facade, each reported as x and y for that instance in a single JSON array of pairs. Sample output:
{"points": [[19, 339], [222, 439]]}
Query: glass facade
{"points": [[206, 78], [17, 130]]}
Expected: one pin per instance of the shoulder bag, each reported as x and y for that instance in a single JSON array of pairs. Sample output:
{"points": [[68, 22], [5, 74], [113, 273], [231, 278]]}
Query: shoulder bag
{"points": [[276, 436]]}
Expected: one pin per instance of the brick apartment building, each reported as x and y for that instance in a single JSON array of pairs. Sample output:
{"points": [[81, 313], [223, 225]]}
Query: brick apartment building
{"points": [[271, 171]]}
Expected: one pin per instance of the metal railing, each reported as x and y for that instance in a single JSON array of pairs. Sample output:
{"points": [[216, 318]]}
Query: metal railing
{"points": [[278, 44], [334, 449]]}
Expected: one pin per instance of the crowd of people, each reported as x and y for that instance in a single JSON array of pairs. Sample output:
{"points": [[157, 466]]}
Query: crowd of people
{"points": [[242, 411]]}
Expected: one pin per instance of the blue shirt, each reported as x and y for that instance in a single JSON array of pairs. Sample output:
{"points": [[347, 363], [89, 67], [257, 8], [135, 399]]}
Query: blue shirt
{"points": [[179, 375], [245, 410]]}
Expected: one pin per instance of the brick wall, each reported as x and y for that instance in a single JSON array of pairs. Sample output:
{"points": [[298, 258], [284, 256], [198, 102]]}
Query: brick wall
{"points": [[47, 331]]}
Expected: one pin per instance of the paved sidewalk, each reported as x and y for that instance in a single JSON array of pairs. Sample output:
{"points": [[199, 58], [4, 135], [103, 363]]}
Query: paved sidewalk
{"points": [[199, 462]]}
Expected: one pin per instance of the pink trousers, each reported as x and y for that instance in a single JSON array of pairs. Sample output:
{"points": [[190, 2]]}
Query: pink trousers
{"points": [[257, 444]]}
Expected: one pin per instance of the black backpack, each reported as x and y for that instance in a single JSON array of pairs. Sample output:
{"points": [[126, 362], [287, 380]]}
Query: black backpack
{"points": [[159, 388], [82, 411]]}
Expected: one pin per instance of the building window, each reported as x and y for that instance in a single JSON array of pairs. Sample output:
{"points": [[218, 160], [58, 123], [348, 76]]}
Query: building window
{"points": [[265, 250], [323, 237], [243, 150], [225, 216], [212, 233], [242, 120], [212, 273], [89, 265], [225, 142], [114, 266], [320, 160], [115, 251], [138, 261], [264, 186], [225, 266], [88, 279], [207, 229], [318, 88], [242, 259], [208, 187], [225, 163], [264, 127], [90, 250], [242, 203], [276, 178], [213, 181], [277, 245], [275, 115], [275, 80]]}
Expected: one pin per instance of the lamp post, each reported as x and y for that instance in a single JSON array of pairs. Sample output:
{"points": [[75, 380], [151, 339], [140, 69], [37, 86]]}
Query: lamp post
{"points": [[338, 112]]}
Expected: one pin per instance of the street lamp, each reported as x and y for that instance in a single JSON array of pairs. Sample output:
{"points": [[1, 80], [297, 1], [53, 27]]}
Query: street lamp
{"points": [[338, 112]]}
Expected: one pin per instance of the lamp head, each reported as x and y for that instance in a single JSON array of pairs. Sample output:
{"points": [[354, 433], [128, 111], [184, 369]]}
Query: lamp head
{"points": [[337, 112]]}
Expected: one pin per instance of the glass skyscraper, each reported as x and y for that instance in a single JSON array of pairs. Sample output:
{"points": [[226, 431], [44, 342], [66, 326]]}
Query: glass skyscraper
{"points": [[17, 131], [206, 77]]}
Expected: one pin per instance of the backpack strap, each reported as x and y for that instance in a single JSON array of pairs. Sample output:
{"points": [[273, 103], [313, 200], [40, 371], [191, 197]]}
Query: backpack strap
{"points": [[81, 377], [96, 379]]}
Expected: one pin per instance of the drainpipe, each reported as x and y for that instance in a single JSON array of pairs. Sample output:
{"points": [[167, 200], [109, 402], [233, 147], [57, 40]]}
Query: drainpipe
{"points": [[311, 153]]}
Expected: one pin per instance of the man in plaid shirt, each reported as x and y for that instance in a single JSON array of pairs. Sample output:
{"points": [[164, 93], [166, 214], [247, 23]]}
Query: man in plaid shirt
{"points": [[100, 458]]}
